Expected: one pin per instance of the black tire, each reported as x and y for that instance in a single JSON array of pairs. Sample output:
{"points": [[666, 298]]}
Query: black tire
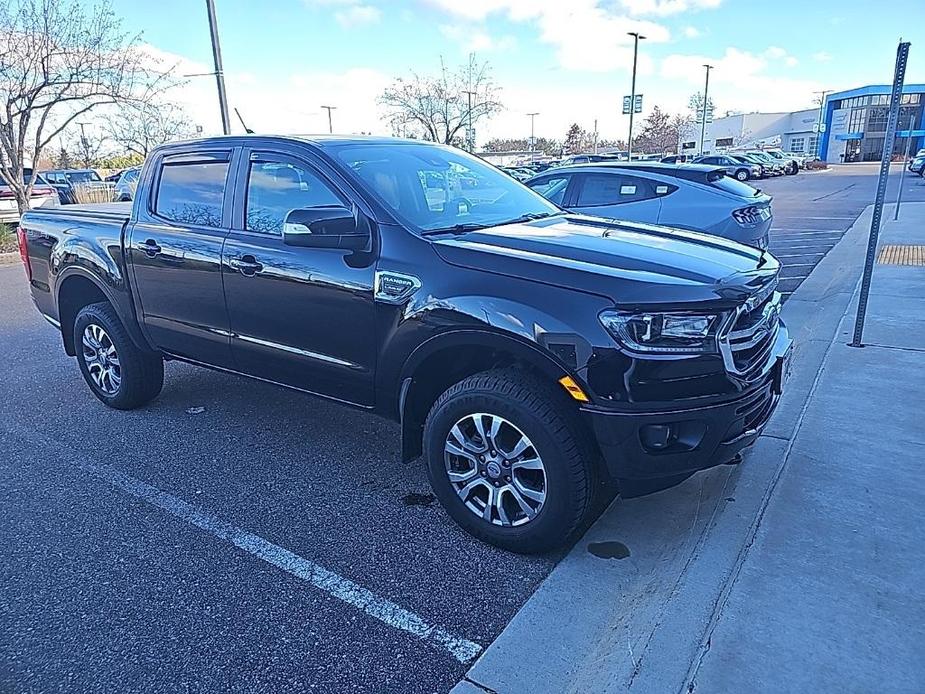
{"points": [[792, 169], [742, 175], [141, 372], [547, 418]]}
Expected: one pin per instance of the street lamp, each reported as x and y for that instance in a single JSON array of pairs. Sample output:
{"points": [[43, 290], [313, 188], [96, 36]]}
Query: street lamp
{"points": [[470, 141], [219, 71], [629, 142], [532, 138], [330, 122], [706, 98]]}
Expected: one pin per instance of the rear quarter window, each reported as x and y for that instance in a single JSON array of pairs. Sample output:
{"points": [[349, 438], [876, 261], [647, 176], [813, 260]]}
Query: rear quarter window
{"points": [[731, 185]]}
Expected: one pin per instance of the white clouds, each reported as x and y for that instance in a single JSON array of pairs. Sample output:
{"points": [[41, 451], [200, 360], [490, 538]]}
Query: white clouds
{"points": [[775, 52], [350, 13], [741, 80], [475, 39], [354, 15], [822, 57], [691, 32], [663, 8], [586, 35]]}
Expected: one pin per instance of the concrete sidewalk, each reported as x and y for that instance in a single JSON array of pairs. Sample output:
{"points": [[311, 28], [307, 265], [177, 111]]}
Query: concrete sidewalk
{"points": [[799, 570]]}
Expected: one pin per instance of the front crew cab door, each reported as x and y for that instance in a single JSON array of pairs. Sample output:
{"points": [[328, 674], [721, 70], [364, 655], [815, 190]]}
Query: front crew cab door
{"points": [[617, 196], [299, 316], [175, 253]]}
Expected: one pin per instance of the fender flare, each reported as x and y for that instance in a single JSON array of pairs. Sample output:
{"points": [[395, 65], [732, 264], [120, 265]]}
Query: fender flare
{"points": [[127, 317]]}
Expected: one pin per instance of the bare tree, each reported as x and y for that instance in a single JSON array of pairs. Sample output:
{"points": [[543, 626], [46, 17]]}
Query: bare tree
{"points": [[659, 133], [58, 61], [140, 126], [438, 105]]}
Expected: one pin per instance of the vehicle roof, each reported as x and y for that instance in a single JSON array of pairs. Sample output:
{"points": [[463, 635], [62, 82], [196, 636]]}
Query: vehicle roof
{"points": [[320, 140], [690, 172]]}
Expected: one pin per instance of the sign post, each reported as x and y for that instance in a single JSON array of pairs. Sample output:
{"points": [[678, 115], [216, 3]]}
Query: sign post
{"points": [[899, 76]]}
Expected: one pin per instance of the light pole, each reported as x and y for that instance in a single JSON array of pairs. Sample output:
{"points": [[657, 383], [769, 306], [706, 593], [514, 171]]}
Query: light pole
{"points": [[470, 141], [706, 100], [219, 72], [330, 122], [629, 142], [532, 138], [84, 144], [822, 93]]}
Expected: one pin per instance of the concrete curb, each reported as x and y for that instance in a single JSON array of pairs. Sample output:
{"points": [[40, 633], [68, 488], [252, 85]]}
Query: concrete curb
{"points": [[9, 258], [646, 621]]}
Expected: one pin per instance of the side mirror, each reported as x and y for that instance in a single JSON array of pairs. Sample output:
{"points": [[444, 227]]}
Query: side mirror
{"points": [[328, 226]]}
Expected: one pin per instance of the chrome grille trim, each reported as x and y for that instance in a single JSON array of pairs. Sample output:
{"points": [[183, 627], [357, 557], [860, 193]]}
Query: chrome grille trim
{"points": [[762, 331]]}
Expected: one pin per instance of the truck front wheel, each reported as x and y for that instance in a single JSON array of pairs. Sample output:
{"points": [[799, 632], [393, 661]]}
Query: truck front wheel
{"points": [[506, 458], [118, 372]]}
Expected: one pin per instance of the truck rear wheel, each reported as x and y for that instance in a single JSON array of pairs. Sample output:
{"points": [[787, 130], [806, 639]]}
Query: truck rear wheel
{"points": [[119, 373], [506, 458]]}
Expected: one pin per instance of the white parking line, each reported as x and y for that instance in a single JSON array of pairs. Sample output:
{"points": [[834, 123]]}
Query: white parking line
{"points": [[797, 255], [463, 650], [793, 248]]}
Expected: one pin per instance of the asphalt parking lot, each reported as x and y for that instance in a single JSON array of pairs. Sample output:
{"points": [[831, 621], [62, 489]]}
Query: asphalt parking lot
{"points": [[814, 209], [238, 537]]}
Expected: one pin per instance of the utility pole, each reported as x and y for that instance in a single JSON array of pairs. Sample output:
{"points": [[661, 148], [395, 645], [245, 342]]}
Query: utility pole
{"points": [[470, 141], [706, 101], [330, 122], [629, 142], [821, 119], [219, 71], [595, 135], [532, 138]]}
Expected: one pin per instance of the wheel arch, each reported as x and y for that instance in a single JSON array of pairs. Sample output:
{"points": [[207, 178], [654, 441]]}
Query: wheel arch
{"points": [[448, 358], [76, 289]]}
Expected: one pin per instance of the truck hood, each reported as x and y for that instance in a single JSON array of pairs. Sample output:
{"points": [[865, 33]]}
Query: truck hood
{"points": [[633, 264]]}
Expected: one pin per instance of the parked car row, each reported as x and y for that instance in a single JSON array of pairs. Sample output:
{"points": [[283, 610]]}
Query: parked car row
{"points": [[917, 163], [43, 195]]}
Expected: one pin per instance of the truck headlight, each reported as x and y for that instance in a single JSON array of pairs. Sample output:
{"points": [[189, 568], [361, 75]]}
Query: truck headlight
{"points": [[667, 333]]}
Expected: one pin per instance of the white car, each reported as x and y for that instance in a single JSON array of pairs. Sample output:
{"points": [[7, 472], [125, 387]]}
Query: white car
{"points": [[43, 195]]}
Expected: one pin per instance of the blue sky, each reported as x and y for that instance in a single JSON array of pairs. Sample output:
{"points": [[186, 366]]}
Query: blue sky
{"points": [[570, 60]]}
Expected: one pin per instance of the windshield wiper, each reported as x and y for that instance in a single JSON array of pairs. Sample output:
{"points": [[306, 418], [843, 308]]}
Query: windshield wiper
{"points": [[456, 229], [531, 217]]}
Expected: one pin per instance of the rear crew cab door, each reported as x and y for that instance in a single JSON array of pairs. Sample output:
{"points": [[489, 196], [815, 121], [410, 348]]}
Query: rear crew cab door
{"points": [[616, 195], [175, 251]]}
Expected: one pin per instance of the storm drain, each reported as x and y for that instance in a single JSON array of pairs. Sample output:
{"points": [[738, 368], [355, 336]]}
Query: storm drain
{"points": [[902, 255]]}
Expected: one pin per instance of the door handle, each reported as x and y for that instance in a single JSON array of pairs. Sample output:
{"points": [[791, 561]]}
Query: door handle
{"points": [[247, 265], [149, 247]]}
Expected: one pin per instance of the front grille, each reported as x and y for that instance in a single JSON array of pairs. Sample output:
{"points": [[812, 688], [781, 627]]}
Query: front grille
{"points": [[752, 335]]}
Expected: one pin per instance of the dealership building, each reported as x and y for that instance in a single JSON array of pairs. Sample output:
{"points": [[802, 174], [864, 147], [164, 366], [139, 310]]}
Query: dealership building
{"points": [[850, 126]]}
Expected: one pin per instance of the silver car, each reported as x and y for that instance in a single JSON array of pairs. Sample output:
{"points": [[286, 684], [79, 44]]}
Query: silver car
{"points": [[739, 170], [685, 196], [125, 186]]}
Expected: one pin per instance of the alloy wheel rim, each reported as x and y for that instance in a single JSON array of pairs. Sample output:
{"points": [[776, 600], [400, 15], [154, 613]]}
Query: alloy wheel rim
{"points": [[495, 469], [102, 360]]}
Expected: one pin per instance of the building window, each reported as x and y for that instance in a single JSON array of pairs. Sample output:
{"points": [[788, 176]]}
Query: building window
{"points": [[856, 120], [812, 144], [688, 145], [724, 142], [876, 120], [797, 144]]}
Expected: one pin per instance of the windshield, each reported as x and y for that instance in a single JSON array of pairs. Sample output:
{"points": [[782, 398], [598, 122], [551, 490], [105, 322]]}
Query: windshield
{"points": [[82, 177], [434, 187]]}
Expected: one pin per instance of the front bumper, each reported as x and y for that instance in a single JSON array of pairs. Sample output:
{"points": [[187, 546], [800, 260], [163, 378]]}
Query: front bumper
{"points": [[634, 445]]}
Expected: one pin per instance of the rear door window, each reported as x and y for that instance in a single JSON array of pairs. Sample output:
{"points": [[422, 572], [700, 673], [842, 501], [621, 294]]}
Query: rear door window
{"points": [[192, 192], [613, 189]]}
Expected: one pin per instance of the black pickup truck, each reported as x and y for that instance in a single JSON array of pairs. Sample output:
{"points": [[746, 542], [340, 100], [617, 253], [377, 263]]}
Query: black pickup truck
{"points": [[528, 353]]}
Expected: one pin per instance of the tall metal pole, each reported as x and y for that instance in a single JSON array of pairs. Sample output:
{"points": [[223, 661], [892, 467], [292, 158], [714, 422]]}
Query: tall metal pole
{"points": [[629, 140], [899, 76], [470, 141], [330, 122], [532, 138], [819, 122], [899, 195], [219, 71], [703, 115]]}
